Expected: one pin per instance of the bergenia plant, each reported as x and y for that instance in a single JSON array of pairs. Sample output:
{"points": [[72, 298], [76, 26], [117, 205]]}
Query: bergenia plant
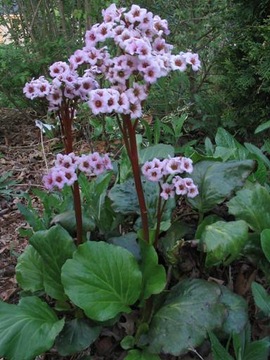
{"points": [[74, 286], [113, 73]]}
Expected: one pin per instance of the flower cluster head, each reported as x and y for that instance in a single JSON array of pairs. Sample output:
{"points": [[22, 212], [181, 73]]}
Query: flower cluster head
{"points": [[66, 167], [168, 173], [143, 57]]}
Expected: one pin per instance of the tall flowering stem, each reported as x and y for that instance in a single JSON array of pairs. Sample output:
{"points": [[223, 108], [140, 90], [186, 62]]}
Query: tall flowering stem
{"points": [[131, 145], [114, 82], [66, 116]]}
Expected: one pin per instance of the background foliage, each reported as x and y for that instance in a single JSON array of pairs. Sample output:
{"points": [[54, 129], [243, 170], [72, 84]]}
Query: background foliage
{"points": [[232, 38]]}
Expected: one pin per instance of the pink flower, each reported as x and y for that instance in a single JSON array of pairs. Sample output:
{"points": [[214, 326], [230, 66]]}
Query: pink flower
{"points": [[98, 101], [186, 165], [87, 84], [84, 164], [43, 87], [136, 14], [70, 176], [167, 191], [193, 60], [135, 110], [123, 103], [112, 13], [154, 174], [161, 26], [153, 170], [107, 162], [55, 96], [180, 185], [58, 68], [48, 181], [159, 45], [151, 73], [188, 183], [112, 101], [178, 62], [92, 37], [146, 22], [192, 191], [98, 167], [78, 58], [30, 90], [58, 178], [104, 31], [173, 166]]}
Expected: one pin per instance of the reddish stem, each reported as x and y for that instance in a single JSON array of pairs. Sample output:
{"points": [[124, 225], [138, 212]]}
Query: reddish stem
{"points": [[134, 159], [66, 118]]}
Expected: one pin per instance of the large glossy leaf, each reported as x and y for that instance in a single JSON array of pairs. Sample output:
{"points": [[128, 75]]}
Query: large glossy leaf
{"points": [[124, 198], [27, 329], [67, 220], [76, 336], [29, 270], [54, 246], [128, 241], [153, 274], [102, 279], [223, 241], [253, 206], [217, 181], [159, 151], [191, 309]]}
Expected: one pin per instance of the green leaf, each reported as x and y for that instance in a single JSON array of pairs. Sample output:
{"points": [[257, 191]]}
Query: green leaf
{"points": [[208, 220], [67, 220], [218, 351], [124, 198], [153, 274], [229, 148], [258, 350], [102, 279], [27, 329], [253, 206], [54, 246], [129, 242], [209, 148], [29, 272], [258, 153], [128, 342], [191, 310], [217, 181], [237, 316], [141, 355], [261, 298], [262, 127], [76, 336], [265, 242], [223, 241], [160, 151], [32, 217]]}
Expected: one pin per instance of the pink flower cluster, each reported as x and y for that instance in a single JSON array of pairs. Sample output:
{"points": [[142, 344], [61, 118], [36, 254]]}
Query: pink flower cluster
{"points": [[167, 171], [66, 168], [145, 56]]}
